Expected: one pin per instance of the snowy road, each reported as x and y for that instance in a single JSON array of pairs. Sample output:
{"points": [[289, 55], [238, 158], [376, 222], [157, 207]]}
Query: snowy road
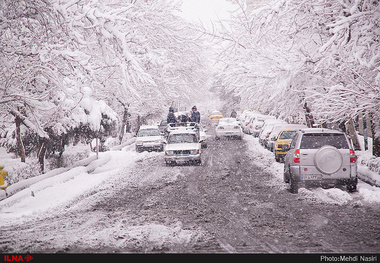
{"points": [[235, 202]]}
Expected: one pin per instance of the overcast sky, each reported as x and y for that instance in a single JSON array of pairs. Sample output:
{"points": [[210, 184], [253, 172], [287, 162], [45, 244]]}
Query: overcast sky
{"points": [[205, 10]]}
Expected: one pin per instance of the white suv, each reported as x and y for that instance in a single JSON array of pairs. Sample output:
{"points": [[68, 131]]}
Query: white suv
{"points": [[322, 157]]}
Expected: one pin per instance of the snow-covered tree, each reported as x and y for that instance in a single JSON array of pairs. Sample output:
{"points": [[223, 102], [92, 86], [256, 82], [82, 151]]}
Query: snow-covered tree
{"points": [[140, 53], [311, 61], [134, 54]]}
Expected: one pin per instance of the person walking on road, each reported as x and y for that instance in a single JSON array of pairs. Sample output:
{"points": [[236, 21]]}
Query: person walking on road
{"points": [[233, 114]]}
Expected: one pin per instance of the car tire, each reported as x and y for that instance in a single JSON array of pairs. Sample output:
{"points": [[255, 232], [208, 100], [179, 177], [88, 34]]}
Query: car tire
{"points": [[293, 184], [286, 177], [352, 186]]}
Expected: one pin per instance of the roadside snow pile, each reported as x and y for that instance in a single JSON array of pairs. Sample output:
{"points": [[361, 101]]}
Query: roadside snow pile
{"points": [[329, 196], [65, 187], [368, 168]]}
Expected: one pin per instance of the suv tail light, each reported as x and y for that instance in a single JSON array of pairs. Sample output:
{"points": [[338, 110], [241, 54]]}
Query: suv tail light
{"points": [[296, 157], [352, 156]]}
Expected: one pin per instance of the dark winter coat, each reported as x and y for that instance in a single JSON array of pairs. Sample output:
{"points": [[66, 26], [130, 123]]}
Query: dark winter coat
{"points": [[195, 117], [171, 118]]}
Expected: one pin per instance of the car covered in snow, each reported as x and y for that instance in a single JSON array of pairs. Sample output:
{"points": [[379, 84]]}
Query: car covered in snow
{"points": [[162, 126], [256, 124], [322, 157], [267, 129], [183, 146], [149, 138], [228, 127]]}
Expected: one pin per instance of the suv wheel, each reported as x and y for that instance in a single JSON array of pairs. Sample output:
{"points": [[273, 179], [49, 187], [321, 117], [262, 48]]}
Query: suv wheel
{"points": [[286, 176], [351, 187], [293, 184]]}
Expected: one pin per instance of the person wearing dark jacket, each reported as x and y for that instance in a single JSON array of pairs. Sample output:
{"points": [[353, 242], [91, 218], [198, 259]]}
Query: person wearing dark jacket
{"points": [[171, 117], [233, 114], [195, 115]]}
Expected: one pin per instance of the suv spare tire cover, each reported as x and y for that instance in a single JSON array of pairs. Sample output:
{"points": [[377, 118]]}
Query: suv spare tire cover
{"points": [[328, 160]]}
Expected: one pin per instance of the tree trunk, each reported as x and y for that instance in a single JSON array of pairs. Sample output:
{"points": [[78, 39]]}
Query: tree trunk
{"points": [[352, 133], [308, 116], [20, 144], [124, 124], [375, 138], [41, 151], [361, 123]]}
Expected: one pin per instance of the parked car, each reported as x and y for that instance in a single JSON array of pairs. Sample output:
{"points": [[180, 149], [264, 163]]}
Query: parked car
{"points": [[322, 157], [149, 138], [257, 123], [215, 116], [285, 137], [162, 126], [183, 146], [249, 117], [267, 129], [274, 134], [228, 127], [3, 175], [241, 118]]}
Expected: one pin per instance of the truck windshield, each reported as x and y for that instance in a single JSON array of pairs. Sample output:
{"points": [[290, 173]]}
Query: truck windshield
{"points": [[148, 132], [182, 138], [317, 140]]}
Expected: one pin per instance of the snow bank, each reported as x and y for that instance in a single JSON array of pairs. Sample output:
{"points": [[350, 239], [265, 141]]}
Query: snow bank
{"points": [[64, 185]]}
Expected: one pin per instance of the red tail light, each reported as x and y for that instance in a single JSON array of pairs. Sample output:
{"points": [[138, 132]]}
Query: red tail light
{"points": [[352, 156], [296, 157], [279, 146]]}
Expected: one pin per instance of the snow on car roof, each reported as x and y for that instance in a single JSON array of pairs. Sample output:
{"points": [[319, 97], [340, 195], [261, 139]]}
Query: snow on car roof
{"points": [[182, 131], [148, 127], [319, 130]]}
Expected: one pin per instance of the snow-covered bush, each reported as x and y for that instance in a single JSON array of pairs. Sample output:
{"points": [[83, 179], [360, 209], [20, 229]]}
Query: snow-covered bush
{"points": [[23, 171]]}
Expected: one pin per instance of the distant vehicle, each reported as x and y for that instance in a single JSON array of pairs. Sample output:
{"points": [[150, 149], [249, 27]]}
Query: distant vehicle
{"points": [[228, 127], [285, 137], [256, 124], [266, 130], [149, 138], [248, 125], [183, 146], [321, 157], [162, 126], [215, 116]]}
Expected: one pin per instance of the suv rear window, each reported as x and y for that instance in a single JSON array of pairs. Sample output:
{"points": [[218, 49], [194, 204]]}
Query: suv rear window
{"points": [[317, 140]]}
